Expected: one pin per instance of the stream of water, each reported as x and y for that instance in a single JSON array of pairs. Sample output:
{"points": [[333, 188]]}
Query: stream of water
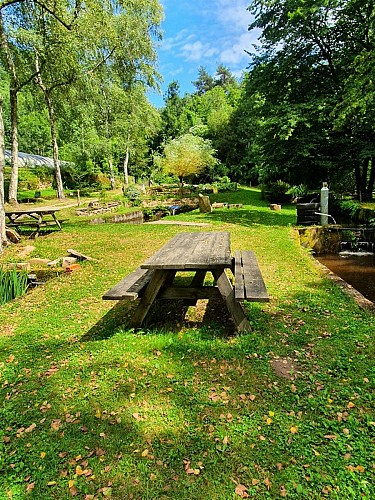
{"points": [[356, 268]]}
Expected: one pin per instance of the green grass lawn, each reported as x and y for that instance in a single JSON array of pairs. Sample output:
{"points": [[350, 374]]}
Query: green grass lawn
{"points": [[186, 408]]}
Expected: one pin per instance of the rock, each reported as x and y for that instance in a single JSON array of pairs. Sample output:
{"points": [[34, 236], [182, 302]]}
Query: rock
{"points": [[23, 266], [54, 263], [68, 261], [12, 235], [275, 207], [26, 251], [204, 204]]}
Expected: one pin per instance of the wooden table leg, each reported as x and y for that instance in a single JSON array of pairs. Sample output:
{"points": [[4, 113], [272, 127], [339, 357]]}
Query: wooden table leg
{"points": [[57, 221], [234, 307], [159, 278], [197, 281]]}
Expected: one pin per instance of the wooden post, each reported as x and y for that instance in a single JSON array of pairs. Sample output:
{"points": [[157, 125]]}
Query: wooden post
{"points": [[78, 198]]}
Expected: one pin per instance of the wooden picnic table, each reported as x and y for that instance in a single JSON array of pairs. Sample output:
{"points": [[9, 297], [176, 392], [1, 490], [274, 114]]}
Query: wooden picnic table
{"points": [[33, 217], [197, 253]]}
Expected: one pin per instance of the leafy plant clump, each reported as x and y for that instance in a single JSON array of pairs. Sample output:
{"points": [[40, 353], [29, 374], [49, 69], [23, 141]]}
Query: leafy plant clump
{"points": [[133, 195], [13, 284], [277, 192]]}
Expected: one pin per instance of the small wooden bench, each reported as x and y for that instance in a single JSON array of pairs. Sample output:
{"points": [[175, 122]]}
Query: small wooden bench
{"points": [[249, 284], [131, 287]]}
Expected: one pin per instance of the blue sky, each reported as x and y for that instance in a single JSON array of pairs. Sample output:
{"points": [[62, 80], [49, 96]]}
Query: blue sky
{"points": [[203, 33]]}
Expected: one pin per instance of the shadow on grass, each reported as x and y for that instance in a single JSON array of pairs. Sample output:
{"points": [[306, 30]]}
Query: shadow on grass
{"points": [[111, 322]]}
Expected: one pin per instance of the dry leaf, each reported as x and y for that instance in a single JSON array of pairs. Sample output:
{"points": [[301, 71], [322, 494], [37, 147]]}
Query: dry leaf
{"points": [[56, 424], [30, 487], [241, 491], [254, 481], [267, 482], [351, 405], [294, 430], [73, 491]]}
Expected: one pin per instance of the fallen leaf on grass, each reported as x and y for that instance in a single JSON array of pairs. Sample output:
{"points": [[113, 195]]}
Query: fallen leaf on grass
{"points": [[294, 430], [56, 424], [267, 482], [30, 487], [241, 491]]}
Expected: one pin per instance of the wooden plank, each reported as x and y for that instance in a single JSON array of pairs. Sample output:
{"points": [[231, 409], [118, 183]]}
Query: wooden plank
{"points": [[234, 307], [158, 279], [249, 283], [193, 251], [239, 283], [79, 255], [130, 287], [190, 294]]}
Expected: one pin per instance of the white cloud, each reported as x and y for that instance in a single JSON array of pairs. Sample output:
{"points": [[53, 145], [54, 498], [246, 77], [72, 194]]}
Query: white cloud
{"points": [[233, 52], [198, 51]]}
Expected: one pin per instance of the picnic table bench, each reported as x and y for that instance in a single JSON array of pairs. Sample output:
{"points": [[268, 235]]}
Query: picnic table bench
{"points": [[33, 217], [198, 253]]}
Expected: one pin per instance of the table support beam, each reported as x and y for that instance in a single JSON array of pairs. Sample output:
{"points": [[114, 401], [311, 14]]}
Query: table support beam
{"points": [[159, 278], [234, 307]]}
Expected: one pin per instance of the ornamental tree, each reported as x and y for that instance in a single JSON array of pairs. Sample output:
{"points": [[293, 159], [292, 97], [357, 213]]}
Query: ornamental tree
{"points": [[187, 155]]}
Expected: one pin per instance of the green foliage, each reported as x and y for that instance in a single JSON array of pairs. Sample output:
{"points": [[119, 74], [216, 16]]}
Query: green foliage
{"points": [[277, 192], [133, 194], [187, 156], [297, 191], [349, 208], [13, 284], [224, 184]]}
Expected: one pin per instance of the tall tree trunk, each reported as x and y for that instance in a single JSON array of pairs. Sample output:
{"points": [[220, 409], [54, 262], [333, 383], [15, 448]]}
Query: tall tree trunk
{"points": [[126, 163], [52, 122], [364, 179], [111, 174], [56, 162], [13, 186], [358, 180], [2, 165], [371, 181]]}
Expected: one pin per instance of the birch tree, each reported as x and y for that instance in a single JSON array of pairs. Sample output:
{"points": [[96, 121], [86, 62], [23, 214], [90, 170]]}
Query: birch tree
{"points": [[2, 165]]}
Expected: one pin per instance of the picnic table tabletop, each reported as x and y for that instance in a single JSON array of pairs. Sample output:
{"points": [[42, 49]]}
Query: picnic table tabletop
{"points": [[192, 251]]}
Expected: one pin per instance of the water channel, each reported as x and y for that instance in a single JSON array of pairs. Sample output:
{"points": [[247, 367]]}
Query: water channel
{"points": [[356, 268]]}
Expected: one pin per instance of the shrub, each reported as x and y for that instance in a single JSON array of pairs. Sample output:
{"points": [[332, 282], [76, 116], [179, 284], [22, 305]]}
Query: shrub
{"points": [[276, 192], [133, 195], [349, 208], [224, 184]]}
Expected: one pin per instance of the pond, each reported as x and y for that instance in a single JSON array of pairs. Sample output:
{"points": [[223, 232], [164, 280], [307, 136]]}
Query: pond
{"points": [[356, 268]]}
